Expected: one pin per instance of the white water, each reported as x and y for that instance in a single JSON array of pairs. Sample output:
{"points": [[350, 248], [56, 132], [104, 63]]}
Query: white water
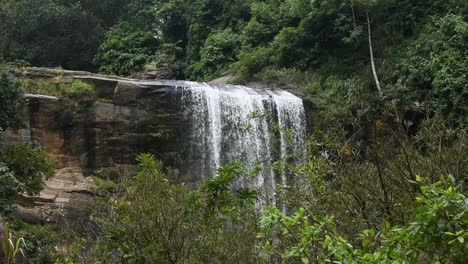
{"points": [[236, 123]]}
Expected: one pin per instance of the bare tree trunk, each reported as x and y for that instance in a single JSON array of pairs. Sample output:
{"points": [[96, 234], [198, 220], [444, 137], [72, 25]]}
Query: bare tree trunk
{"points": [[374, 71]]}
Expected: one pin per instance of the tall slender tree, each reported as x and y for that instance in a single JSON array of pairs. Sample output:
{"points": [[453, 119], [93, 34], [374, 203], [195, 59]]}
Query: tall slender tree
{"points": [[367, 6]]}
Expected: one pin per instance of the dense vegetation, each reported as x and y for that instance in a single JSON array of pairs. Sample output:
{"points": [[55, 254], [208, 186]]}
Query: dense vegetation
{"points": [[385, 179]]}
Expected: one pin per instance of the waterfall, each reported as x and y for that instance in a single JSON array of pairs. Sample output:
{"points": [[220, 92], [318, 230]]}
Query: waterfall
{"points": [[235, 123]]}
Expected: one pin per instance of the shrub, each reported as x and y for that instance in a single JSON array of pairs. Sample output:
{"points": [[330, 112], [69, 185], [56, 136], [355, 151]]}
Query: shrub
{"points": [[251, 62], [9, 188], [290, 49], [177, 224], [30, 166]]}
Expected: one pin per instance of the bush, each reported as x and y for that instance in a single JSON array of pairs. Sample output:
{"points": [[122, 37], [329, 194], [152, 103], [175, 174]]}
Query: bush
{"points": [[45, 244], [177, 224], [126, 49], [30, 166], [9, 188]]}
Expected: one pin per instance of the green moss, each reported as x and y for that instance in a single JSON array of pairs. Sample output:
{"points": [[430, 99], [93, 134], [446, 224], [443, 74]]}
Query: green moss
{"points": [[162, 133], [104, 100]]}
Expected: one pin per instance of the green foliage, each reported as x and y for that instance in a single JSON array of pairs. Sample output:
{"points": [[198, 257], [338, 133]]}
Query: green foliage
{"points": [[220, 49], [287, 48], [435, 234], [109, 12], [9, 188], [374, 187], [9, 247], [48, 33], [10, 99], [50, 244], [171, 20], [251, 62], [126, 49], [170, 56], [57, 87], [177, 224], [359, 199], [30, 166], [434, 70], [74, 96]]}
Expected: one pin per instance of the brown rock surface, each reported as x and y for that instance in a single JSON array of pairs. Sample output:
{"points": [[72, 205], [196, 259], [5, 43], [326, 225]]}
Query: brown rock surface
{"points": [[105, 135]]}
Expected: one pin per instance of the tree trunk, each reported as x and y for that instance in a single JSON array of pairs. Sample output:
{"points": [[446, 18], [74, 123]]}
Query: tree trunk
{"points": [[374, 71]]}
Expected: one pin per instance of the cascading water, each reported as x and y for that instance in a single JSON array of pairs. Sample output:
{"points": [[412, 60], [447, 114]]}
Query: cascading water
{"points": [[236, 123]]}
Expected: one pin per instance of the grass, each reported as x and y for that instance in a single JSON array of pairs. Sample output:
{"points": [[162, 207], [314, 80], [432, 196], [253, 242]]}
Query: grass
{"points": [[57, 88]]}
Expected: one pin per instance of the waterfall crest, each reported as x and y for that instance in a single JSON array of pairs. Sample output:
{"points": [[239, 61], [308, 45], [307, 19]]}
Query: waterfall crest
{"points": [[236, 123]]}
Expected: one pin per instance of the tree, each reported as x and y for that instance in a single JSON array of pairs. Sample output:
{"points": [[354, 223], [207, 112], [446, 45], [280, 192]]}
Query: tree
{"points": [[367, 5], [433, 70], [220, 49], [10, 99], [126, 49], [49, 33]]}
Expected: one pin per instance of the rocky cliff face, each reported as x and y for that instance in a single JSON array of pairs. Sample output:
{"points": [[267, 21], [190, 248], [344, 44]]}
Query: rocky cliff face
{"points": [[130, 117]]}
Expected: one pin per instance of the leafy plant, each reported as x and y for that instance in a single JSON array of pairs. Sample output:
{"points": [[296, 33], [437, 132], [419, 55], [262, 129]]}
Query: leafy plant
{"points": [[30, 166], [180, 224], [10, 248], [9, 188]]}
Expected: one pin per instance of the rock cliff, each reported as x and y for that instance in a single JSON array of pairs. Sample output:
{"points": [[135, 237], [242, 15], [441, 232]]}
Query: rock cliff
{"points": [[129, 117]]}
